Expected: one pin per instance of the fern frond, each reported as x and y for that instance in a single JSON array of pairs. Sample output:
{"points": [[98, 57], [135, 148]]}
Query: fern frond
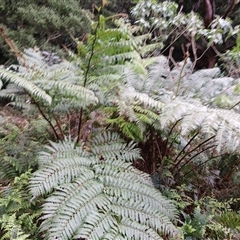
{"points": [[129, 129], [146, 115], [62, 149], [71, 90], [224, 124], [29, 87], [93, 197], [12, 228], [148, 101], [121, 57], [123, 188], [68, 207], [111, 146], [148, 215], [64, 170]]}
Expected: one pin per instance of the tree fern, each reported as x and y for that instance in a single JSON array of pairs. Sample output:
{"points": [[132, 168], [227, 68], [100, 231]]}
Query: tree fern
{"points": [[149, 93], [97, 194]]}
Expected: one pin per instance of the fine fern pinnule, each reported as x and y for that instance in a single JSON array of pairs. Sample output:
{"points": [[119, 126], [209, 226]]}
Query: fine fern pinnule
{"points": [[95, 196], [110, 146]]}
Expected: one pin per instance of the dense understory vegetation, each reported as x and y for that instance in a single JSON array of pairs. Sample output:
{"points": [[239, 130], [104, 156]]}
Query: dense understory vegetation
{"points": [[120, 141]]}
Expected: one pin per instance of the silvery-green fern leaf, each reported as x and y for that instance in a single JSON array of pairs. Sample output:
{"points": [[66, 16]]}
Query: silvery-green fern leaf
{"points": [[95, 194], [29, 87], [60, 84], [178, 95]]}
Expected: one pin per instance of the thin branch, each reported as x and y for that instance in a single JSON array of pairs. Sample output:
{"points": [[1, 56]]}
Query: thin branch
{"points": [[170, 57], [194, 49], [177, 37], [79, 124], [158, 149], [53, 36], [230, 8], [209, 12], [234, 105]]}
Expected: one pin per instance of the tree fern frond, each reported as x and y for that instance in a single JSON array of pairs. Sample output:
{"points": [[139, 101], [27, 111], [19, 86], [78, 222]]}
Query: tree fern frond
{"points": [[107, 138], [29, 87], [146, 115], [194, 116], [71, 90], [121, 57], [87, 195], [104, 79], [67, 193], [147, 101], [68, 207], [122, 188], [62, 149]]}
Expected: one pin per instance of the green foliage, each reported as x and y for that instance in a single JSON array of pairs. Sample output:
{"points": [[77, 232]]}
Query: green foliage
{"points": [[118, 84], [153, 15], [18, 216], [231, 59], [205, 218], [47, 24], [94, 193], [19, 146]]}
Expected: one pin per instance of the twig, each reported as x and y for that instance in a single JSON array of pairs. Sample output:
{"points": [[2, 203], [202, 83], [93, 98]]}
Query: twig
{"points": [[194, 49], [170, 57], [169, 134], [13, 47], [53, 36]]}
